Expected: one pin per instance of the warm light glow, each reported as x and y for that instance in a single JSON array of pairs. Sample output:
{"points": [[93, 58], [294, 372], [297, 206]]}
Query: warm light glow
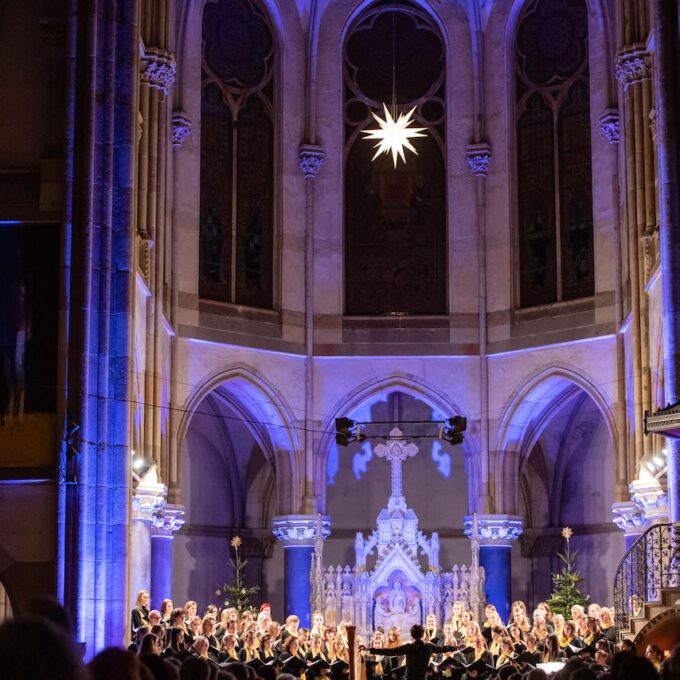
{"points": [[138, 464], [394, 134]]}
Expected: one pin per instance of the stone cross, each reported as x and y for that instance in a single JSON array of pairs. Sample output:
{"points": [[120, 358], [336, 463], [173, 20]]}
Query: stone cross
{"points": [[396, 452]]}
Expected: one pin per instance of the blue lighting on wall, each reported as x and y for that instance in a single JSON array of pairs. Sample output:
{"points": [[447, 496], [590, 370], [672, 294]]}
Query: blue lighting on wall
{"points": [[441, 459], [361, 459]]}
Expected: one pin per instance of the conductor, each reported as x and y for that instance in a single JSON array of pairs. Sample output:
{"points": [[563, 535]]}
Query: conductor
{"points": [[417, 653]]}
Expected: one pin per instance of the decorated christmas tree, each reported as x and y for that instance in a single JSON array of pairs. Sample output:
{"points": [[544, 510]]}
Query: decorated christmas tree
{"points": [[566, 592], [237, 593]]}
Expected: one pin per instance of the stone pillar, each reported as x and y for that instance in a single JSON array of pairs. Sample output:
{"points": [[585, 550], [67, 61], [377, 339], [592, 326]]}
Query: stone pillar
{"points": [[147, 500], [629, 518], [94, 460], [496, 536], [667, 86], [310, 158], [168, 521], [297, 533]]}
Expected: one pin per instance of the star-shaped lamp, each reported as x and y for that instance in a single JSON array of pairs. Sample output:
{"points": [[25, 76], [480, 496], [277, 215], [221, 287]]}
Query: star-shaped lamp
{"points": [[394, 134]]}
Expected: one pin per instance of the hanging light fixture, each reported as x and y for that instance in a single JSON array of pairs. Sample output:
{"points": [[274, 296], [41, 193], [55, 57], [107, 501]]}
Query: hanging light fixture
{"points": [[394, 132]]}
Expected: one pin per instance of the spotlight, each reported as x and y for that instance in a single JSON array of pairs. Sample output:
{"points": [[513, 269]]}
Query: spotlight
{"points": [[452, 430], [138, 464], [347, 431]]}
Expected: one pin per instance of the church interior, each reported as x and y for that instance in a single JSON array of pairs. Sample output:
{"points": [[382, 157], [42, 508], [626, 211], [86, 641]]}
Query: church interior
{"points": [[384, 289]]}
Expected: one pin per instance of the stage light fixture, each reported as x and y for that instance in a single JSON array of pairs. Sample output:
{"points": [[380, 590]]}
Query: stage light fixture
{"points": [[452, 430], [347, 431]]}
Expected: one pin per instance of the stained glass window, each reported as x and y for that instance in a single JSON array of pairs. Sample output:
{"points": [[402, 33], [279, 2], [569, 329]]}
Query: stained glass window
{"points": [[555, 206], [237, 155], [395, 219]]}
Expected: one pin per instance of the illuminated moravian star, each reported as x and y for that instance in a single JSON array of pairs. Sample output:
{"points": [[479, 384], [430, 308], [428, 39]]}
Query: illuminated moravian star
{"points": [[394, 134]]}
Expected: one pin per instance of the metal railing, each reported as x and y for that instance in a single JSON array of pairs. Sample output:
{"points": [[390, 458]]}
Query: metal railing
{"points": [[651, 564]]}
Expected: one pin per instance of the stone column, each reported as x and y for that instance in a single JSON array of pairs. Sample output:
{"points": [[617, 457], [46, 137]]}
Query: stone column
{"points": [[629, 518], [168, 521], [147, 500], [667, 45], [496, 536], [297, 533], [310, 158]]}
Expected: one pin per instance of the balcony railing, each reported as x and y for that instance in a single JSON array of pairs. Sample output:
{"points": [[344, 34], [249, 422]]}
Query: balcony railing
{"points": [[651, 564]]}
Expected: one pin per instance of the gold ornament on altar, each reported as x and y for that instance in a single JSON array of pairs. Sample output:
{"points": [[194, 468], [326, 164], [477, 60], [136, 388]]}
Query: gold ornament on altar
{"points": [[236, 542], [567, 533]]}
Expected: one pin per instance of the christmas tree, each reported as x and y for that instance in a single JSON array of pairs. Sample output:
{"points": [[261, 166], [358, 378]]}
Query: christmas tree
{"points": [[238, 593], [566, 592]]}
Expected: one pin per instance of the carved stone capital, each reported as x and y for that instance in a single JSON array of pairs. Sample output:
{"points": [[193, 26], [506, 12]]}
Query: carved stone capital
{"points": [[158, 69], [651, 498], [633, 67], [299, 530], [147, 502], [181, 128], [500, 530], [168, 520], [311, 159], [478, 158], [628, 517], [611, 126]]}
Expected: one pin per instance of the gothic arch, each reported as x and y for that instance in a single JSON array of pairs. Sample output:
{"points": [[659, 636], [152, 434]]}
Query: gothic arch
{"points": [[525, 415], [364, 394], [266, 414]]}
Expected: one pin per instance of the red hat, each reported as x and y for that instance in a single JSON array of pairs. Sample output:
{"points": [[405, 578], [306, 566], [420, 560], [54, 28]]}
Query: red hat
{"points": [[264, 606]]}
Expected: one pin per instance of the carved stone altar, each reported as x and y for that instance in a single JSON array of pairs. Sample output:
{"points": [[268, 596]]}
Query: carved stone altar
{"points": [[398, 590]]}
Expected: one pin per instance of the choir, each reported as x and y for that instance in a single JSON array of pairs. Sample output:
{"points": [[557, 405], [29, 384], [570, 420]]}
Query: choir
{"points": [[460, 648]]}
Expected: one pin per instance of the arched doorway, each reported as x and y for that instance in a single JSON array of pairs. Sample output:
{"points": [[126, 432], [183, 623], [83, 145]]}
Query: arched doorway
{"points": [[559, 469], [232, 457]]}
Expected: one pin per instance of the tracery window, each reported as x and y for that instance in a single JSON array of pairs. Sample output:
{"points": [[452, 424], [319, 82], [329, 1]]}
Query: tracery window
{"points": [[554, 175], [237, 154], [395, 219]]}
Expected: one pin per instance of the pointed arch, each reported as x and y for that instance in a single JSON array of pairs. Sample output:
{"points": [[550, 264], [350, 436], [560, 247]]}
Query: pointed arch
{"points": [[525, 415], [268, 417], [364, 395]]}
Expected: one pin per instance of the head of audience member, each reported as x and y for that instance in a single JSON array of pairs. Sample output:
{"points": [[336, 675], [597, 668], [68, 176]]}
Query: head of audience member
{"points": [[114, 663], [190, 609], [57, 657], [154, 617], [51, 609], [195, 668], [636, 668]]}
